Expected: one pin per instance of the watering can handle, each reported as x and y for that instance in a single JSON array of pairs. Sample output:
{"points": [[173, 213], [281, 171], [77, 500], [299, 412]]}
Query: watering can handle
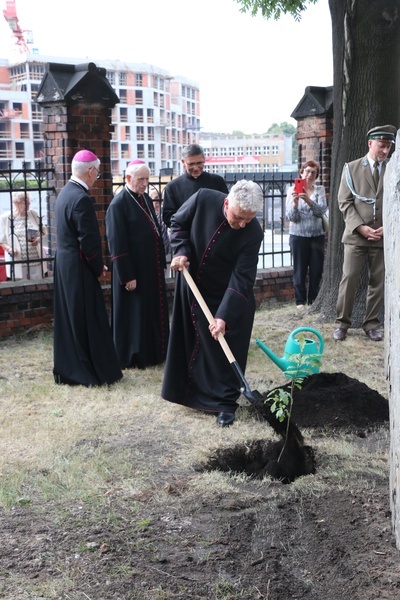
{"points": [[311, 330]]}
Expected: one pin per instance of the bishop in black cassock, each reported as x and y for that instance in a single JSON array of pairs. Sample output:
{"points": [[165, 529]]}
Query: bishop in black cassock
{"points": [[140, 319], [84, 352], [223, 262]]}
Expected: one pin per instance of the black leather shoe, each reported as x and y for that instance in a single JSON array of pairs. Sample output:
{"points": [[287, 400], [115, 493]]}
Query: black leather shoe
{"points": [[374, 335], [339, 334], [225, 419]]}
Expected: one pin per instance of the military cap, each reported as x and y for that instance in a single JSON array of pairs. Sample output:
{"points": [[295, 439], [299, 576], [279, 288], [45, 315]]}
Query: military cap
{"points": [[383, 132]]}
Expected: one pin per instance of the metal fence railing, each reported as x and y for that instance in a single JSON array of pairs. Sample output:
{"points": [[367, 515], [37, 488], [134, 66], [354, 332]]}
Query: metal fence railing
{"points": [[24, 213], [274, 251]]}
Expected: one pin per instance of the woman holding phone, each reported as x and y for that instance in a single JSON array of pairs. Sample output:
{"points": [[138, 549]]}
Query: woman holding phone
{"points": [[305, 206]]}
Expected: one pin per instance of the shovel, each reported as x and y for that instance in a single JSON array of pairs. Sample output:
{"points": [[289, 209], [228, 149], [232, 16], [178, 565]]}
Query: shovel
{"points": [[252, 396]]}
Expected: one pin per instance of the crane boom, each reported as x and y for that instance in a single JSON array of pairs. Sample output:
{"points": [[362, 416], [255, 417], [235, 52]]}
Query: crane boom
{"points": [[10, 15]]}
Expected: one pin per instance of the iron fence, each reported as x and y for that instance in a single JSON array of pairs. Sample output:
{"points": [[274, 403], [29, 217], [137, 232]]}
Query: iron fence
{"points": [[24, 249], [274, 250]]}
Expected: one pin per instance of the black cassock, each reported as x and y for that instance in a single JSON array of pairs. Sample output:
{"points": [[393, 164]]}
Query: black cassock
{"points": [[84, 352], [140, 320], [223, 263]]}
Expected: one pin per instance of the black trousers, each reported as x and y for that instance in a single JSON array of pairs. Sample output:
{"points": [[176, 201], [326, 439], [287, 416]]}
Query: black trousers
{"points": [[308, 259]]}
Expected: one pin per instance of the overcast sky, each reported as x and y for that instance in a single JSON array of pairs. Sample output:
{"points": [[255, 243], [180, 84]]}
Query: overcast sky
{"points": [[251, 72]]}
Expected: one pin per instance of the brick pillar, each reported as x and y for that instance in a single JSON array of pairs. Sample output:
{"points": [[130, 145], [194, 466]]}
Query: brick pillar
{"points": [[75, 117], [314, 138], [314, 116]]}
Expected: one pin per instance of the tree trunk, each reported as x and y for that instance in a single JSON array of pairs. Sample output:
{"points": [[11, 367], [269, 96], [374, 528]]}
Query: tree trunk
{"points": [[391, 214], [366, 93]]}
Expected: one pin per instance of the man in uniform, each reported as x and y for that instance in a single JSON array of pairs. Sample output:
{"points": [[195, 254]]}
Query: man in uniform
{"points": [[360, 200]]}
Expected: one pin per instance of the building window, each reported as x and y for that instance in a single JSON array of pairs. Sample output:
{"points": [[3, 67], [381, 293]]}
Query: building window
{"points": [[140, 133], [275, 167], [123, 114], [151, 150], [24, 130], [114, 150], [266, 150], [17, 107], [223, 152], [125, 151], [127, 132], [36, 71], [37, 134], [231, 152], [150, 115], [5, 150], [215, 152], [156, 81], [152, 168], [38, 150], [240, 151], [19, 150], [138, 97], [206, 151], [140, 151], [249, 151], [257, 151], [111, 77], [162, 101], [215, 169], [139, 80], [155, 98], [275, 150], [150, 133], [139, 115], [5, 131], [34, 91], [36, 112], [122, 78], [122, 95]]}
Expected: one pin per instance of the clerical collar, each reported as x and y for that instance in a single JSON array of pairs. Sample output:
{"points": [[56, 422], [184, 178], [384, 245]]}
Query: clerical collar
{"points": [[77, 180]]}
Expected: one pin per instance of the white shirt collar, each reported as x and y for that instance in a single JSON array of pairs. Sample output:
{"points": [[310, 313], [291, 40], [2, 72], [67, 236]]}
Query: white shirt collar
{"points": [[74, 178]]}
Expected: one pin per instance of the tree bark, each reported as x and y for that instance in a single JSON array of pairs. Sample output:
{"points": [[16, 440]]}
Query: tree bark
{"points": [[366, 93], [391, 215]]}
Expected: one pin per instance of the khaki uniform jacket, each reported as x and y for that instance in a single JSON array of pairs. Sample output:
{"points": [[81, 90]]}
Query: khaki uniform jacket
{"points": [[355, 211]]}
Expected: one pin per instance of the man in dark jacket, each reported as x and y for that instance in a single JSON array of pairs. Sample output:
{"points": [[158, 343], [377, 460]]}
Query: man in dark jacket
{"points": [[84, 352], [180, 189]]}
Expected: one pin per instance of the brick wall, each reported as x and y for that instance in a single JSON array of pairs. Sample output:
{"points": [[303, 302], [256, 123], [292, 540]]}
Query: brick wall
{"points": [[26, 306]]}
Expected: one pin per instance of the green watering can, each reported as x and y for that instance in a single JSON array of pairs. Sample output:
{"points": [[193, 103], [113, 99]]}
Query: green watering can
{"points": [[293, 347]]}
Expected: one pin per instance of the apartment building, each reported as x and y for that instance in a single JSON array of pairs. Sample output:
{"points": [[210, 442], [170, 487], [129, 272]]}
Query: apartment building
{"points": [[157, 115], [264, 153]]}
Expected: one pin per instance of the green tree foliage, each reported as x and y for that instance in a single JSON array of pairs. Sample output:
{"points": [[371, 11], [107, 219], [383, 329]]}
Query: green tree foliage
{"points": [[275, 8], [283, 127]]}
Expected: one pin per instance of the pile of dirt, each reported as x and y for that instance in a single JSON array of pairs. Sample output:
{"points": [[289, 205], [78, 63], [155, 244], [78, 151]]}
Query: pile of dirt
{"points": [[335, 401], [325, 401]]}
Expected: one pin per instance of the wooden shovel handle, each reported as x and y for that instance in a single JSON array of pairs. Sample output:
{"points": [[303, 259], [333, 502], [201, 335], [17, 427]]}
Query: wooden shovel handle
{"points": [[207, 313]]}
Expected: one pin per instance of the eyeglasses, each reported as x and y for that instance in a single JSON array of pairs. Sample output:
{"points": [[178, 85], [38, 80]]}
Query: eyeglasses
{"points": [[195, 164], [98, 173], [310, 171]]}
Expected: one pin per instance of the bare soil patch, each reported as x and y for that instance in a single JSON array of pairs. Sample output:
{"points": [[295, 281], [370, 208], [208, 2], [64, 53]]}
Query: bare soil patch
{"points": [[176, 533]]}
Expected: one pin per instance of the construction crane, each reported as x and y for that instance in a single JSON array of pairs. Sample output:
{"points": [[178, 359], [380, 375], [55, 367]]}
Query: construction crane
{"points": [[10, 15]]}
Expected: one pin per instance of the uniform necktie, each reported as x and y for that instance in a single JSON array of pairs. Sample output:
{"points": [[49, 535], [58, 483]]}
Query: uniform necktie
{"points": [[376, 174]]}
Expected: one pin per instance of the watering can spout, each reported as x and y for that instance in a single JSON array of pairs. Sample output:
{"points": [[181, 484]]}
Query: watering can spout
{"points": [[280, 362]]}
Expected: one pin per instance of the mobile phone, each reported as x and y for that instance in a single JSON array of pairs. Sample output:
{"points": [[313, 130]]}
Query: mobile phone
{"points": [[299, 185]]}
